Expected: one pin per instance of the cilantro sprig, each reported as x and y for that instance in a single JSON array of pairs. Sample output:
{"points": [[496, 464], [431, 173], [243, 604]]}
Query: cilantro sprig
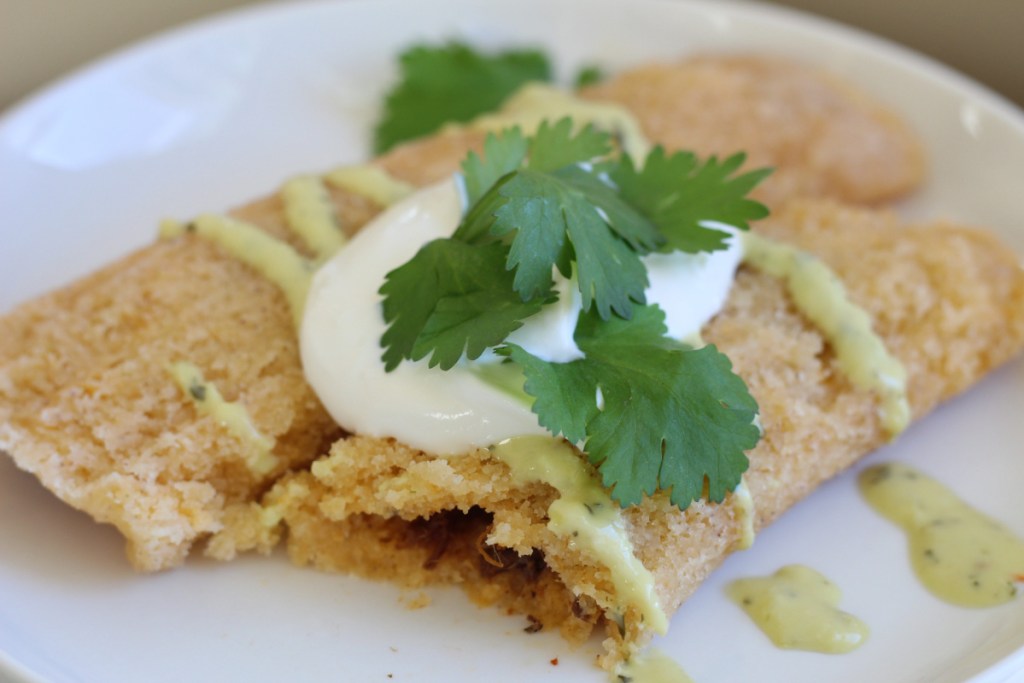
{"points": [[555, 210], [670, 416], [452, 299], [682, 194], [451, 82], [650, 412]]}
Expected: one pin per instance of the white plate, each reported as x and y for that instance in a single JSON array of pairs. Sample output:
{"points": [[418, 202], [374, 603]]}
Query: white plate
{"points": [[212, 115]]}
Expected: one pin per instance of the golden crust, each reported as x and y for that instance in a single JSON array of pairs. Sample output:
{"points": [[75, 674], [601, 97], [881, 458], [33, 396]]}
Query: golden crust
{"points": [[87, 405], [823, 137], [357, 509]]}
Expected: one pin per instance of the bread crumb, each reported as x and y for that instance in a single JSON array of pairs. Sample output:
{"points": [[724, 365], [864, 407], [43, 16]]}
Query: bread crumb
{"points": [[416, 601]]}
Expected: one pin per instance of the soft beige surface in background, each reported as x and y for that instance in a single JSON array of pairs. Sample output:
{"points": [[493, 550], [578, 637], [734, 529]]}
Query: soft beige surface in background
{"points": [[43, 39]]}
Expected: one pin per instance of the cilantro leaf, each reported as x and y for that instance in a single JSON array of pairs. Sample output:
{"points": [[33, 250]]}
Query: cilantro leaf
{"points": [[554, 146], [451, 299], [668, 416], [502, 155], [623, 218], [652, 413], [535, 209], [546, 215], [678, 193], [451, 83], [557, 210], [588, 75]]}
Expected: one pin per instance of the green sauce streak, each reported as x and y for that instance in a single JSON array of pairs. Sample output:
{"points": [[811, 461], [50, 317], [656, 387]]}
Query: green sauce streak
{"points": [[744, 503], [959, 554], [536, 102], [651, 667], [585, 513], [797, 608], [272, 258], [820, 296], [371, 182], [309, 212], [208, 401]]}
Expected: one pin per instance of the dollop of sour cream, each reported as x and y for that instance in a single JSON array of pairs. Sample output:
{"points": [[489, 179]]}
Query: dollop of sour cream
{"points": [[456, 411]]}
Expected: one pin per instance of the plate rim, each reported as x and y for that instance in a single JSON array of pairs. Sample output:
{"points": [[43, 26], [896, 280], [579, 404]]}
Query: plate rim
{"points": [[934, 67]]}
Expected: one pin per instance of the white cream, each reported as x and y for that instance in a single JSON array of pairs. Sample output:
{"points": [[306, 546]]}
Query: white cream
{"points": [[548, 334], [453, 411], [692, 288], [442, 412]]}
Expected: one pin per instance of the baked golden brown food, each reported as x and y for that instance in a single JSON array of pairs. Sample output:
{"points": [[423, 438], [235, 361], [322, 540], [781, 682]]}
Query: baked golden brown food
{"points": [[87, 404], [823, 136], [381, 509]]}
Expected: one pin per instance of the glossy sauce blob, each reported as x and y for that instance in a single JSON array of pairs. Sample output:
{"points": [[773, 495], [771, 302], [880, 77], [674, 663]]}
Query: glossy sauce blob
{"points": [[959, 554], [798, 609], [651, 666]]}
